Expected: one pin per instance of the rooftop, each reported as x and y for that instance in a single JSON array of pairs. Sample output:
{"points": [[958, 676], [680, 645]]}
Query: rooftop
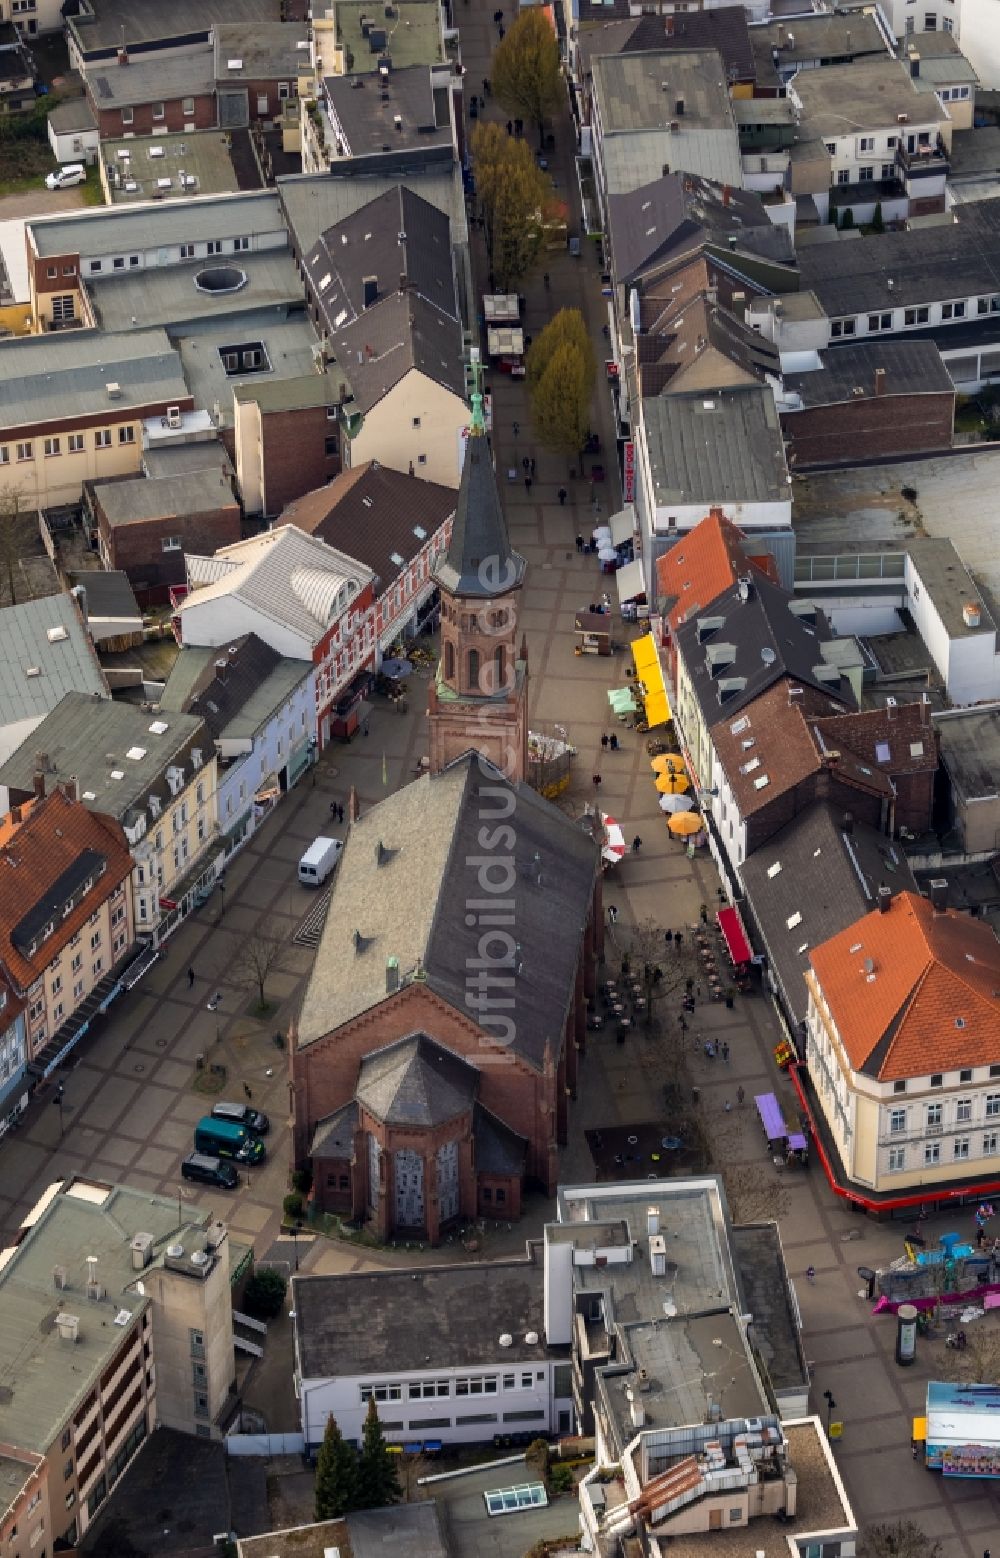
{"points": [[637, 97], [268, 51], [42, 1376], [427, 830], [114, 751], [100, 231], [169, 295], [46, 652], [413, 1529], [397, 1322], [235, 698], [810, 880], [165, 497], [941, 59], [870, 93], [314, 202], [724, 29], [45, 378], [148, 24], [900, 269], [700, 566], [191, 74], [716, 449], [970, 751], [286, 335], [379, 116], [909, 368], [677, 213], [72, 113], [412, 37], [831, 39], [480, 562], [975, 152], [149, 167], [383, 517], [913, 990], [949, 584]]}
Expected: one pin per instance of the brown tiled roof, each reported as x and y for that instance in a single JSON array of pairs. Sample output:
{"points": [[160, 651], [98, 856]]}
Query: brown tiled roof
{"points": [[703, 564], [371, 512], [898, 740], [38, 856], [913, 990]]}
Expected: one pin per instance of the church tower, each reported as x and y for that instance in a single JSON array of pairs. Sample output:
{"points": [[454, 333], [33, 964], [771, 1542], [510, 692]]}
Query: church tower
{"points": [[479, 697]]}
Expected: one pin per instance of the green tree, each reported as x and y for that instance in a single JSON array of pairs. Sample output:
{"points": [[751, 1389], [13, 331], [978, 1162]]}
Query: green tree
{"points": [[378, 1481], [527, 76], [336, 1475], [515, 196], [264, 1294], [847, 220], [560, 402], [878, 224], [566, 328]]}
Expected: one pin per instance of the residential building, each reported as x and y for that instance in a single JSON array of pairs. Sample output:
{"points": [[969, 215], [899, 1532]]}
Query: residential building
{"points": [[303, 598], [66, 915], [935, 57], [287, 437], [396, 525], [409, 117], [868, 400], [118, 1309], [145, 526], [40, 16], [421, 1091], [47, 652], [388, 309], [24, 1478], [17, 72], [260, 711], [903, 1053], [15, 1087], [153, 96], [257, 69], [970, 756], [975, 163], [953, 619], [406, 1528], [72, 410], [455, 1354], [72, 131], [479, 699], [823, 870], [723, 28], [898, 738], [665, 111], [814, 42], [887, 134], [152, 29], [138, 168], [977, 31], [155, 777]]}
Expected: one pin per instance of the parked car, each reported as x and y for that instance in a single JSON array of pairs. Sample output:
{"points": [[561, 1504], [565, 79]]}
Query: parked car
{"points": [[226, 1139], [241, 1114], [319, 860], [65, 178], [209, 1171]]}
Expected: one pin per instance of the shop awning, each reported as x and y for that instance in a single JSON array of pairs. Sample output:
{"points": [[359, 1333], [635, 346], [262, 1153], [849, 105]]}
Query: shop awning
{"points": [[629, 579], [650, 673], [734, 935], [623, 525]]}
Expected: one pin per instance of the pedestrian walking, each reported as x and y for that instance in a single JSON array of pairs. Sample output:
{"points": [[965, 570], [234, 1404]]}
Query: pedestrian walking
{"points": [[725, 1053], [636, 844], [704, 914], [604, 741], [614, 744], [510, 127], [532, 465], [545, 281], [340, 813], [500, 31], [729, 1105], [668, 937], [579, 539], [597, 781], [190, 978], [526, 465], [515, 428], [811, 1273], [486, 86], [365, 732], [678, 938], [740, 1096], [249, 1095], [612, 914], [527, 484], [563, 495]]}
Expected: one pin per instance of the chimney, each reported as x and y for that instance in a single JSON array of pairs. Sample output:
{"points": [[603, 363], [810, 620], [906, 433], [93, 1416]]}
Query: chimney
{"points": [[880, 381], [123, 56], [638, 1411], [938, 886], [781, 35], [848, 822], [914, 64], [353, 805], [658, 1255], [369, 290], [70, 788], [391, 975], [39, 784], [652, 1220], [142, 1250], [884, 898], [679, 108], [68, 1327]]}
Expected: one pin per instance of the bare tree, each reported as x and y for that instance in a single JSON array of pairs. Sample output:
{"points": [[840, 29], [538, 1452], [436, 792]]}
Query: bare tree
{"points": [[754, 1194], [664, 971], [899, 1539], [979, 1361], [11, 538], [258, 954]]}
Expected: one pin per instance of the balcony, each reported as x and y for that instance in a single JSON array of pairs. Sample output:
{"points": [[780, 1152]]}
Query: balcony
{"points": [[926, 160]]}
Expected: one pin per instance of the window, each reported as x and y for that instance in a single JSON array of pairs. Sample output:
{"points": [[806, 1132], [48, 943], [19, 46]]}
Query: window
{"points": [[171, 544], [197, 1340], [67, 1436], [78, 990], [282, 91], [262, 102], [187, 251], [934, 1116], [127, 115], [917, 316], [888, 170], [422, 1389], [421, 459], [952, 310], [57, 984], [963, 1111], [831, 147], [899, 1087], [932, 1154], [961, 1147], [843, 175], [126, 435], [897, 1159], [866, 143], [157, 110], [75, 443], [51, 447], [102, 438], [63, 309], [213, 246], [879, 322], [382, 1392], [240, 245], [526, 1380], [842, 327], [474, 669], [69, 270], [133, 261], [930, 21], [991, 1144], [477, 1385], [4, 454], [897, 1120], [416, 422], [937, 1079], [95, 941], [52, 272], [992, 1106], [187, 106], [331, 444], [866, 174]]}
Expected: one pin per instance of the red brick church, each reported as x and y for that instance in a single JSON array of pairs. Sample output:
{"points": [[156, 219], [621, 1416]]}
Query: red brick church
{"points": [[436, 1051]]}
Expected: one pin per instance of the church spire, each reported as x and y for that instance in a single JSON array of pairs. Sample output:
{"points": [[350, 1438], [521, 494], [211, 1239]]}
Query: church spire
{"points": [[480, 562]]}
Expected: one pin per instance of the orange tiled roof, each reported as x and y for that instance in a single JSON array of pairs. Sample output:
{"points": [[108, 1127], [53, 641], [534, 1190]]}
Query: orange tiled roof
{"points": [[34, 854], [703, 564], [913, 990]]}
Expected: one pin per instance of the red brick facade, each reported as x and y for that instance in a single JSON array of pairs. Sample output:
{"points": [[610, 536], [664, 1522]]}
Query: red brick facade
{"points": [[137, 547], [113, 123], [300, 450], [870, 426]]}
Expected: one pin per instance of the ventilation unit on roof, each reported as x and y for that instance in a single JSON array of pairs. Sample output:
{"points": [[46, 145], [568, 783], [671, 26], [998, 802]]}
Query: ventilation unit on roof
{"points": [[56, 635]]}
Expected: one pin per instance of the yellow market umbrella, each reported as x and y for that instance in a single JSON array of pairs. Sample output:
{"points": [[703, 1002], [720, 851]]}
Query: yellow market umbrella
{"points": [[671, 761], [684, 823], [672, 784]]}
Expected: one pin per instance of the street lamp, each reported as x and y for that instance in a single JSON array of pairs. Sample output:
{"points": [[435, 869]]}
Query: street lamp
{"points": [[58, 1100], [222, 900], [295, 1241], [213, 1006], [830, 1405]]}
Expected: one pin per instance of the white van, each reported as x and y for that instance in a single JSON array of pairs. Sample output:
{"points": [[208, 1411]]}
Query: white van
{"points": [[65, 178], [319, 860]]}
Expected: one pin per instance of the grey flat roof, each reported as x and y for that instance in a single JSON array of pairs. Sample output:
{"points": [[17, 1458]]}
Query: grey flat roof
{"points": [[868, 94], [168, 295], [191, 74], [415, 34], [976, 152], [955, 261], [110, 231], [174, 459], [150, 22], [109, 595], [69, 665], [845, 34], [910, 367], [438, 1317], [73, 113], [90, 739], [267, 51], [949, 585], [63, 376], [288, 340], [759, 1260], [716, 448], [164, 497], [367, 114], [970, 751], [146, 160], [314, 202], [45, 1376], [941, 58], [413, 1529], [632, 96]]}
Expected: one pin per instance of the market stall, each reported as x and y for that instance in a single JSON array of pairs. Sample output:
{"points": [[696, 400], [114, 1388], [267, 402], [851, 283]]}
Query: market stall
{"points": [[593, 632]]}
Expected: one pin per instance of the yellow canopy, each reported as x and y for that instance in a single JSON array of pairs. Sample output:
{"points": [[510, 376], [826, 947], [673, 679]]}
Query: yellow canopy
{"points": [[650, 674], [672, 783], [668, 763], [684, 823]]}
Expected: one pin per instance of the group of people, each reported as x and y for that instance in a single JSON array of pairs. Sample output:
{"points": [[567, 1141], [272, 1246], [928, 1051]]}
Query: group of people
{"points": [[336, 811], [610, 743]]}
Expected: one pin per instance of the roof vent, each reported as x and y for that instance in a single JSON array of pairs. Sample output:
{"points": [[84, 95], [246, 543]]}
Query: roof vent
{"points": [[971, 614], [68, 1327], [200, 1259], [506, 1340], [58, 635], [114, 391], [175, 1251], [531, 1338]]}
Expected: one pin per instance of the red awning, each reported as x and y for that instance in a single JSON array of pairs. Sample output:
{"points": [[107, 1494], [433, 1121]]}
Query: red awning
{"points": [[731, 927]]}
